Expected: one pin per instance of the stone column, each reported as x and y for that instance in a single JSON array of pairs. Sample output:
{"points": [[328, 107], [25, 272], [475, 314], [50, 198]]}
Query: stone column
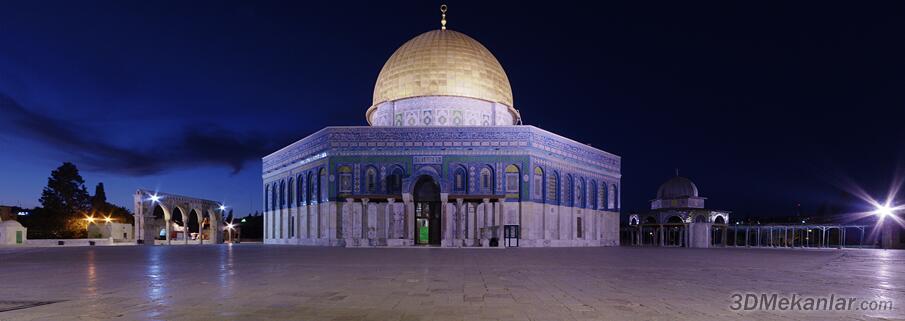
{"points": [[661, 240], [357, 220], [168, 222], [486, 218], [409, 216], [462, 220], [369, 227], [471, 211], [498, 213], [389, 212], [446, 225]]}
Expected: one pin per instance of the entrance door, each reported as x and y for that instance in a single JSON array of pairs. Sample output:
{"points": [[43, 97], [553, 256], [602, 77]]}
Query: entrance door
{"points": [[427, 212], [18, 237]]}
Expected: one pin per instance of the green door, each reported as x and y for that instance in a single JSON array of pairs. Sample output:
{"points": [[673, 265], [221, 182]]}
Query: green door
{"points": [[423, 231], [18, 237]]}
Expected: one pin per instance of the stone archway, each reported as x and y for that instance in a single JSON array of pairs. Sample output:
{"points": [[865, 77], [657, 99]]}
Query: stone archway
{"points": [[176, 214], [427, 223]]}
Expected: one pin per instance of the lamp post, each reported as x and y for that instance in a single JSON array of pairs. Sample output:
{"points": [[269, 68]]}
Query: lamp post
{"points": [[90, 220]]}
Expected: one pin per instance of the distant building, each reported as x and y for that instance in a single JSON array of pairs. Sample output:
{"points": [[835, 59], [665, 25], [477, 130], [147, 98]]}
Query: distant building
{"points": [[678, 218], [116, 231]]}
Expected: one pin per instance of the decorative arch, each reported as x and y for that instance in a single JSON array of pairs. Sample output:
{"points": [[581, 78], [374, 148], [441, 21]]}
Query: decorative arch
{"points": [[299, 188], [604, 196], [720, 219], [580, 192], [393, 181], [345, 179], [273, 196], [553, 187], [289, 192], [423, 171], [513, 182], [282, 194], [371, 180], [537, 186], [460, 179], [486, 180], [592, 194], [569, 196]]}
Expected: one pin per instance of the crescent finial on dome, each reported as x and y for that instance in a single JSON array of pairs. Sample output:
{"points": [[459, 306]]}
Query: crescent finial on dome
{"points": [[443, 17]]}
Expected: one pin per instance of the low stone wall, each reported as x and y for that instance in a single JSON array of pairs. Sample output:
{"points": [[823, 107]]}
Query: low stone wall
{"points": [[68, 242]]}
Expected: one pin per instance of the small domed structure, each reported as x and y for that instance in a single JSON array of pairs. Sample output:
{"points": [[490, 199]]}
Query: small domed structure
{"points": [[11, 232], [677, 217], [677, 192], [677, 187]]}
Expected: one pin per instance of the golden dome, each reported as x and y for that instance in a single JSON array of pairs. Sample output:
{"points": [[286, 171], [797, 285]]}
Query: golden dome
{"points": [[443, 63]]}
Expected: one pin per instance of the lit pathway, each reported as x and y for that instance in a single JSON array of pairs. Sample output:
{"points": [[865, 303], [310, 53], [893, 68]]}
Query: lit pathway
{"points": [[256, 282]]}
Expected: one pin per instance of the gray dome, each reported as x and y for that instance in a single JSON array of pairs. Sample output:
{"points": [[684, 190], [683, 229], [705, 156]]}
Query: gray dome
{"points": [[677, 187], [11, 223]]}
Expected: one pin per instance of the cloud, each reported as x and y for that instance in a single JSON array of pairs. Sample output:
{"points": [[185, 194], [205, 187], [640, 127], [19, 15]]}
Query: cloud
{"points": [[196, 146]]}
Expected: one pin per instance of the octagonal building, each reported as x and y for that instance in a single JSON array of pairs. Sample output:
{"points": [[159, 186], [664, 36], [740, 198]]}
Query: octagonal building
{"points": [[444, 162]]}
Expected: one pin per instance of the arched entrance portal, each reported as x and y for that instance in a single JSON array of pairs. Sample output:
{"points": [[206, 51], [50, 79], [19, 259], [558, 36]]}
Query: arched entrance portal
{"points": [[427, 211]]}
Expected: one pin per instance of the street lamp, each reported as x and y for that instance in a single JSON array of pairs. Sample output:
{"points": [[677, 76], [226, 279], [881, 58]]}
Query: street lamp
{"points": [[883, 211], [229, 229]]}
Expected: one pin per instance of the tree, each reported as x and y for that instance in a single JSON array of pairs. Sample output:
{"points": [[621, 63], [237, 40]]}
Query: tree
{"points": [[99, 200], [65, 200]]}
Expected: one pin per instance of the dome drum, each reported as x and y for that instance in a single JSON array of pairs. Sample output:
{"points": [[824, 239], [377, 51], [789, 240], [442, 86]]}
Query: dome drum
{"points": [[440, 111]]}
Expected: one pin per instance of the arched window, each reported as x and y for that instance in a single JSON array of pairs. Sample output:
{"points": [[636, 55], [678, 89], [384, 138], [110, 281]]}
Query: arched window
{"points": [[513, 186], [273, 196], [299, 187], [267, 197], [553, 187], [309, 191], [289, 192], [460, 183], [569, 189], [486, 180], [615, 196], [394, 180], [592, 193], [579, 193], [604, 196], [371, 180], [538, 186], [322, 187], [345, 179], [282, 194]]}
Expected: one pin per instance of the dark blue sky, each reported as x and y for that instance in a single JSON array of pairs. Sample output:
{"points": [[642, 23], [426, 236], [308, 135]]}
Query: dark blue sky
{"points": [[763, 104]]}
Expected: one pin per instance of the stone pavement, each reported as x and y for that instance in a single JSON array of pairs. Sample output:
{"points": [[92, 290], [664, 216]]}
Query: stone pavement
{"points": [[258, 282]]}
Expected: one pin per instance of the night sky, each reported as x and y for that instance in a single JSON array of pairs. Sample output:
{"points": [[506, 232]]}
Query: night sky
{"points": [[763, 105]]}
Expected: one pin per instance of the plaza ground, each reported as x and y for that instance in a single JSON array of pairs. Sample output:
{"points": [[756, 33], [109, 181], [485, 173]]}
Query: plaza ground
{"points": [[258, 282]]}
